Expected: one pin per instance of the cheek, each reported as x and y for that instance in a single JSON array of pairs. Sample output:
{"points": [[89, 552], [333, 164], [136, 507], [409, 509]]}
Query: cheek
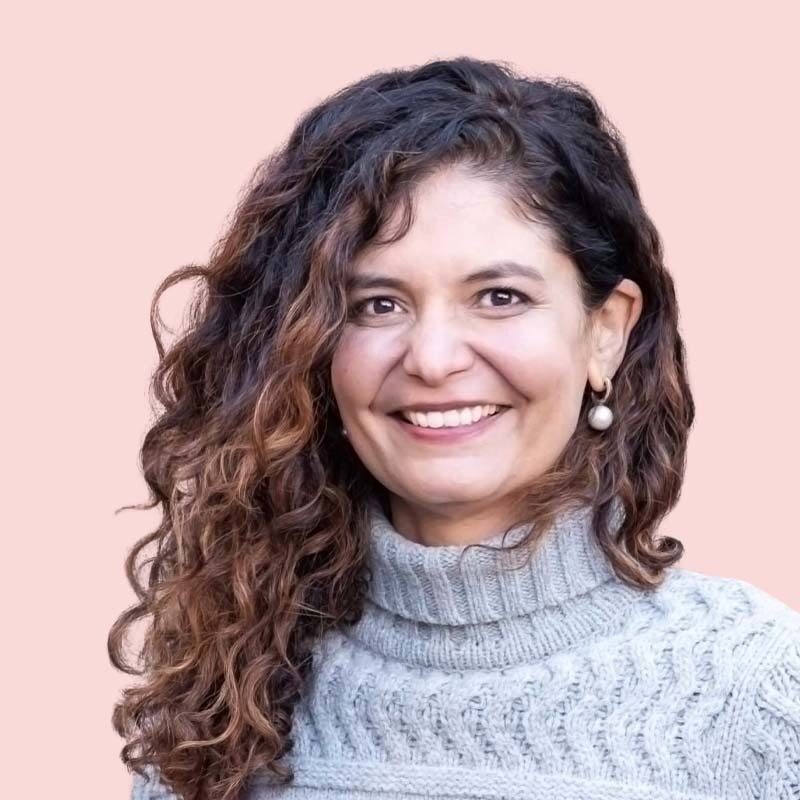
{"points": [[356, 369], [539, 362]]}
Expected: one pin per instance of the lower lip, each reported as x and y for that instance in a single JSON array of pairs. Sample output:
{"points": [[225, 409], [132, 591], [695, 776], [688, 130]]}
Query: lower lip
{"points": [[459, 433]]}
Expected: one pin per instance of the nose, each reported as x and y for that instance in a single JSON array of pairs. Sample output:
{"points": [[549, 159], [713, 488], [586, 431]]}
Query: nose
{"points": [[436, 347]]}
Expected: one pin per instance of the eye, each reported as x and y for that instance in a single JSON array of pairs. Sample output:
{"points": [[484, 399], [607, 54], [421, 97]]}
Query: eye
{"points": [[357, 309], [505, 291]]}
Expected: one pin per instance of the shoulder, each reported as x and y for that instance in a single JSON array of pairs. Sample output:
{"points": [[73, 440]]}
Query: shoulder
{"points": [[724, 602], [756, 639], [736, 629], [746, 626], [149, 787]]}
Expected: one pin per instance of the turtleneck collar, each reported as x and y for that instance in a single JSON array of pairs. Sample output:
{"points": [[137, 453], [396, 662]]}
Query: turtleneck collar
{"points": [[444, 585], [440, 607], [426, 609]]}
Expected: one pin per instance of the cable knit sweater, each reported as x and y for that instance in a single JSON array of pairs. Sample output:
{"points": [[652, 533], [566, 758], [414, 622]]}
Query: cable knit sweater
{"points": [[554, 680]]}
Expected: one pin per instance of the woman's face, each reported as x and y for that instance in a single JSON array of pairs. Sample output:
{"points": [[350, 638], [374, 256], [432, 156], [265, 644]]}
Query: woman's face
{"points": [[431, 327]]}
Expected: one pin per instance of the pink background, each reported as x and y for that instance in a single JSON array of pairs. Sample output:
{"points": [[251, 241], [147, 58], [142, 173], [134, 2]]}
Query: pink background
{"points": [[129, 131]]}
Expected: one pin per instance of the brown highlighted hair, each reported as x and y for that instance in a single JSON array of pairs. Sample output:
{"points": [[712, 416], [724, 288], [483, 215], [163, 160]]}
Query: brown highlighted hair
{"points": [[263, 540]]}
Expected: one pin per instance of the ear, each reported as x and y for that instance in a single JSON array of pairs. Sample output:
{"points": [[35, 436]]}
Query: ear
{"points": [[611, 326]]}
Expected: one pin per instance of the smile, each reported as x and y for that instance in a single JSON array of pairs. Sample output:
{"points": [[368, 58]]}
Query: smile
{"points": [[450, 430], [452, 418]]}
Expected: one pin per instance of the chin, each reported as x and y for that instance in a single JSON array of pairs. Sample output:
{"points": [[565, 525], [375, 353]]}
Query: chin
{"points": [[437, 495]]}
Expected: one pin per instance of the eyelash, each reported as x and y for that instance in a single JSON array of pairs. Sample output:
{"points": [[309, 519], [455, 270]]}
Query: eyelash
{"points": [[356, 308]]}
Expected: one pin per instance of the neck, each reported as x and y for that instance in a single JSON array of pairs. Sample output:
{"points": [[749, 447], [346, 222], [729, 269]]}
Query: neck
{"points": [[451, 523]]}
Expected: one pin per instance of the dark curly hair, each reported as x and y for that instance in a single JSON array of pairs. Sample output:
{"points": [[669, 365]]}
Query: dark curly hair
{"points": [[263, 542]]}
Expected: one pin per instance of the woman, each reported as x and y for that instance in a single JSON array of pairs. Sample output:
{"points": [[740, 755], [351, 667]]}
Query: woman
{"points": [[414, 451]]}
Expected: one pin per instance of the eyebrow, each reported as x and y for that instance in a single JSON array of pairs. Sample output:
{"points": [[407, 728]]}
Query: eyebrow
{"points": [[493, 271]]}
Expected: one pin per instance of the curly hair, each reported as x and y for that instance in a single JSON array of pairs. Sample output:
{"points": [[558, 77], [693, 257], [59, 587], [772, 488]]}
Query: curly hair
{"points": [[264, 535]]}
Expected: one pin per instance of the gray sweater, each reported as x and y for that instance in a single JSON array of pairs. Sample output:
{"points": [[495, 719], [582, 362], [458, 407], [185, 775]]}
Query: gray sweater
{"points": [[554, 680]]}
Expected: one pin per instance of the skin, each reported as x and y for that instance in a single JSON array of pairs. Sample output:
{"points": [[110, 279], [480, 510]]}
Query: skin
{"points": [[438, 338]]}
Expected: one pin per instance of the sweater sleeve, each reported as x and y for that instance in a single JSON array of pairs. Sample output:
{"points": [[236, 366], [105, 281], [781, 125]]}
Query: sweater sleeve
{"points": [[150, 788], [773, 736]]}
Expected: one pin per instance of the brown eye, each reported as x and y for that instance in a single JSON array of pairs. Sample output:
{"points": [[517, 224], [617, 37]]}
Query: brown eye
{"points": [[357, 309], [503, 293]]}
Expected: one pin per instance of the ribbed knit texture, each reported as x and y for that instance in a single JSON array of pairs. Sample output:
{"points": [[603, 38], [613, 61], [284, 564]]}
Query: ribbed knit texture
{"points": [[554, 680]]}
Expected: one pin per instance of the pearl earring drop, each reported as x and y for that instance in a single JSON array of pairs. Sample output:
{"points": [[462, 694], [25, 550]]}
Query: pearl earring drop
{"points": [[344, 431], [600, 416]]}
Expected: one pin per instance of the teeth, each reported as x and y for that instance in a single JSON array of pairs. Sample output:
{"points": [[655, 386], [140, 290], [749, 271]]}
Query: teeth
{"points": [[451, 418]]}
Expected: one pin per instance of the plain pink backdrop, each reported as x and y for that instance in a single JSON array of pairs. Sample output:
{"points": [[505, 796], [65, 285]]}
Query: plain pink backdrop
{"points": [[130, 130]]}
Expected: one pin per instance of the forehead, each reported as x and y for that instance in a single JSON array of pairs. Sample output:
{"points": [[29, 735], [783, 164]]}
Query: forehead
{"points": [[460, 221]]}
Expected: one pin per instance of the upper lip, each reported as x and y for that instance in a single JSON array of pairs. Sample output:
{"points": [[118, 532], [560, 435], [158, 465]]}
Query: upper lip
{"points": [[444, 406]]}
